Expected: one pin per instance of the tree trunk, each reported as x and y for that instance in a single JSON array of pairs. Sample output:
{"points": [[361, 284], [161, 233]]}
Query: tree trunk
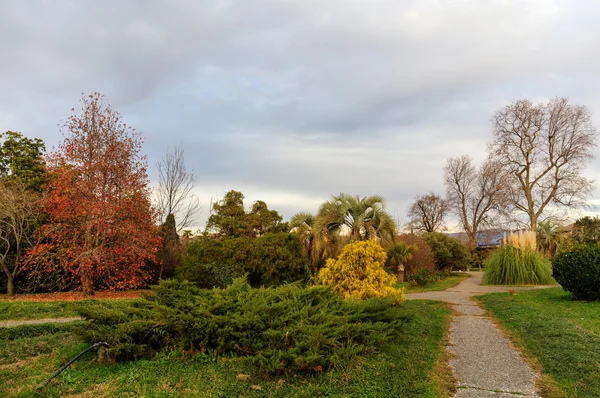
{"points": [[86, 285], [400, 273], [10, 290]]}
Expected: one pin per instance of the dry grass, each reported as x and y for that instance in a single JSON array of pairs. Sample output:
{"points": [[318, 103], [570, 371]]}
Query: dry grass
{"points": [[521, 240]]}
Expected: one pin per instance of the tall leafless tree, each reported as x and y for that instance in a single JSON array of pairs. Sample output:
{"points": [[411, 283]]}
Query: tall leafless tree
{"points": [[175, 194], [427, 213], [474, 195], [543, 148], [19, 215]]}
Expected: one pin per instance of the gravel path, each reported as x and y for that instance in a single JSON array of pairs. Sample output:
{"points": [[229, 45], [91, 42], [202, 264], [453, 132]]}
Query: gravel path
{"points": [[485, 363], [9, 324]]}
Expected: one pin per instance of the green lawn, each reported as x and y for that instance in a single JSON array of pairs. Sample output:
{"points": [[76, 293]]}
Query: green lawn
{"points": [[562, 335], [409, 367], [10, 310], [454, 279]]}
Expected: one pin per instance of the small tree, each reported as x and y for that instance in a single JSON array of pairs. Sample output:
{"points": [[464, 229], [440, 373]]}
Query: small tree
{"points": [[398, 254], [359, 272], [171, 250], [262, 220], [474, 195], [449, 252], [587, 230], [19, 218], [21, 160], [229, 218], [549, 237], [421, 256], [101, 224], [427, 213], [175, 193]]}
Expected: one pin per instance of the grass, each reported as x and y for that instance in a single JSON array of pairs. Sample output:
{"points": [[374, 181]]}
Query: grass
{"points": [[454, 279], [562, 336], [408, 367], [13, 310], [510, 265]]}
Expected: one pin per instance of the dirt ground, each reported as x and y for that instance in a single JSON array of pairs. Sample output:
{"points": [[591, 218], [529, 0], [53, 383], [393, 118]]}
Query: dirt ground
{"points": [[73, 296]]}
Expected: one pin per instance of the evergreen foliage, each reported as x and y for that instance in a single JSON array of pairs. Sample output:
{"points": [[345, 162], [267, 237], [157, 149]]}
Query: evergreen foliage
{"points": [[397, 255], [170, 252], [274, 329], [359, 273], [578, 271], [509, 265], [449, 252], [21, 160], [268, 260], [587, 230], [229, 219], [423, 276]]}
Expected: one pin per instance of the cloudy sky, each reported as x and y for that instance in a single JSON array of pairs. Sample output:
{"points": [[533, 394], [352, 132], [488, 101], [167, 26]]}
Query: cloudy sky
{"points": [[290, 101]]}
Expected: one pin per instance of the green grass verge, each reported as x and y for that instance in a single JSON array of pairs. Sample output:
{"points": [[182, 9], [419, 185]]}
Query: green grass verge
{"points": [[23, 331], [16, 310], [454, 279], [560, 334], [405, 368]]}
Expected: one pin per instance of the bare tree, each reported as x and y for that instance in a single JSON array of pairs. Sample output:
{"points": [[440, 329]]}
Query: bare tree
{"points": [[175, 194], [427, 213], [474, 195], [544, 148], [19, 214]]}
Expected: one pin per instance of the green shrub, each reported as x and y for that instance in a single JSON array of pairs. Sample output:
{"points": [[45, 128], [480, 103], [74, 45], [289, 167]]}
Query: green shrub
{"points": [[449, 252], [578, 271], [423, 276], [274, 329], [206, 275], [268, 260], [586, 230], [508, 265]]}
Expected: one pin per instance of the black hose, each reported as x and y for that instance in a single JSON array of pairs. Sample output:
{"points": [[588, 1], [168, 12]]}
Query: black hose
{"points": [[76, 357]]}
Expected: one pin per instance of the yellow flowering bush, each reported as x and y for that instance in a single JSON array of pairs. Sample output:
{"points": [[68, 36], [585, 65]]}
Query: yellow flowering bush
{"points": [[359, 273]]}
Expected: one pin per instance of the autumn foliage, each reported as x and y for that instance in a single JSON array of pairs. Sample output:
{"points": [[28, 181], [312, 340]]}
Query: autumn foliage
{"points": [[359, 273], [100, 228]]}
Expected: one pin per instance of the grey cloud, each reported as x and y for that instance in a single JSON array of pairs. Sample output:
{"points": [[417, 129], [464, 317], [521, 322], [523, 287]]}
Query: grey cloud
{"points": [[308, 97]]}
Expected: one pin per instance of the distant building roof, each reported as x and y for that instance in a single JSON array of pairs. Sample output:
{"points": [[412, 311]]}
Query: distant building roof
{"points": [[485, 238]]}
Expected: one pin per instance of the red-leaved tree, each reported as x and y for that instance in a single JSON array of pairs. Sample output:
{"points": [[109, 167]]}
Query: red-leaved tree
{"points": [[100, 226]]}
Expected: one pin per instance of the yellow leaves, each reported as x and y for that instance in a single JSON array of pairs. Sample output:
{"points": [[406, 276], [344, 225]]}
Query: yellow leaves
{"points": [[359, 273]]}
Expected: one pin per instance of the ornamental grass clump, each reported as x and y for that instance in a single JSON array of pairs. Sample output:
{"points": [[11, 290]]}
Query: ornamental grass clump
{"points": [[359, 273], [509, 265], [521, 240]]}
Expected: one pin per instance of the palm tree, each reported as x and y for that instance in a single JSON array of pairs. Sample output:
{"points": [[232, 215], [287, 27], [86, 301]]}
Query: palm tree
{"points": [[398, 254], [302, 224], [305, 226], [549, 237], [359, 219]]}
